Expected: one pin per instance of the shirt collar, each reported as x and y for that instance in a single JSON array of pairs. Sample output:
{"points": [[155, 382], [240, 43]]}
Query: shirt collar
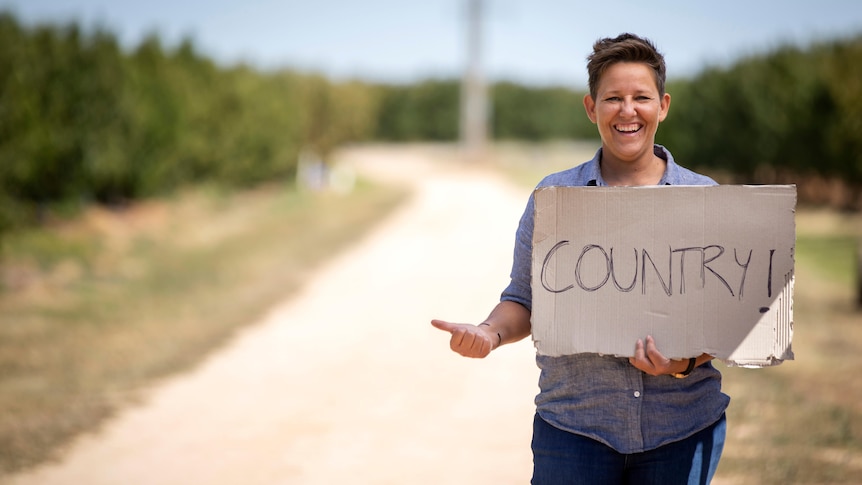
{"points": [[671, 171]]}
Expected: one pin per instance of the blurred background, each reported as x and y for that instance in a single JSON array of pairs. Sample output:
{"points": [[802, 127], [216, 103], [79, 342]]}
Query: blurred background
{"points": [[111, 101], [142, 141]]}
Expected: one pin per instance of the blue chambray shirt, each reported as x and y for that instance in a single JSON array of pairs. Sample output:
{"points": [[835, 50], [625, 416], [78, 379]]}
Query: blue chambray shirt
{"points": [[605, 397]]}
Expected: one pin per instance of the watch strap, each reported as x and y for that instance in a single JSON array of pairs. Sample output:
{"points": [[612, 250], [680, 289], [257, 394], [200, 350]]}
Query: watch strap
{"points": [[691, 363]]}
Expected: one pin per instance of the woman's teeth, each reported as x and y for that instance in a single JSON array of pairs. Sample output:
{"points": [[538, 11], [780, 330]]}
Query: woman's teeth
{"points": [[628, 128]]}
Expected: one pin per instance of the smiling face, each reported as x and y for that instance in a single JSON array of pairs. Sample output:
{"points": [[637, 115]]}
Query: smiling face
{"points": [[627, 110]]}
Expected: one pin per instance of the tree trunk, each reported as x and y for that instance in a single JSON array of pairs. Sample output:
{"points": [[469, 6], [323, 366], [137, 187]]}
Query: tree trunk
{"points": [[859, 274]]}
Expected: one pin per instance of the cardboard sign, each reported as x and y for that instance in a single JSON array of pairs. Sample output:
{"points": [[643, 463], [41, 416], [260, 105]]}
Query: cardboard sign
{"points": [[700, 268]]}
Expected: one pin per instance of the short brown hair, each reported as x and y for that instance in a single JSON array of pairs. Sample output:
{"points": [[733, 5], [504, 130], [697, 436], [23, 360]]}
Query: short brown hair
{"points": [[624, 48]]}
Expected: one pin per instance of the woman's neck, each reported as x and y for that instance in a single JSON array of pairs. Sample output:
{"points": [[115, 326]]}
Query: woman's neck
{"points": [[618, 173]]}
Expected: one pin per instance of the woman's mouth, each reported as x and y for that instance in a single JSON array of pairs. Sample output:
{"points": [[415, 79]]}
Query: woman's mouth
{"points": [[628, 128]]}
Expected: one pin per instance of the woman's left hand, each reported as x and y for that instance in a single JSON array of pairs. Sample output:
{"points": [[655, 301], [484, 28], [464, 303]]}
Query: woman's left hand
{"points": [[648, 359]]}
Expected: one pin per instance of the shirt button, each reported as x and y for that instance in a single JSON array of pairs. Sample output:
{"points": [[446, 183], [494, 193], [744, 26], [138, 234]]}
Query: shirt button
{"points": [[637, 394]]}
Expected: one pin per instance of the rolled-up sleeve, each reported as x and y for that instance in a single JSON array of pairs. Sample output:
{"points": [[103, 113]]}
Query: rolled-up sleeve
{"points": [[519, 289]]}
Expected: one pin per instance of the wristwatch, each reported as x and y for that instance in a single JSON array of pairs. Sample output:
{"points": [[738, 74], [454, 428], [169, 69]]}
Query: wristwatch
{"points": [[687, 371]]}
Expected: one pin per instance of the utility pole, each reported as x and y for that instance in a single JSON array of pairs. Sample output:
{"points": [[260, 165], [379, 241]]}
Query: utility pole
{"points": [[474, 97]]}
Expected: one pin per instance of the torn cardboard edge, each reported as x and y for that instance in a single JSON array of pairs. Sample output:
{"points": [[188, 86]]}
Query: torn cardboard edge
{"points": [[703, 269]]}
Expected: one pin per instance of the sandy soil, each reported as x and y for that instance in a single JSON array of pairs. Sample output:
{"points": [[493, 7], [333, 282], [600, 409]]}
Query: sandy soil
{"points": [[347, 382]]}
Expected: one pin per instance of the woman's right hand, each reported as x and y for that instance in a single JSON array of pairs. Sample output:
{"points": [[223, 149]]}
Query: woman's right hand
{"points": [[476, 341]]}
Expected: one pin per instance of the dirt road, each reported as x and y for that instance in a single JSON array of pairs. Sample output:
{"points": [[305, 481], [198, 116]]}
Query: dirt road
{"points": [[348, 382]]}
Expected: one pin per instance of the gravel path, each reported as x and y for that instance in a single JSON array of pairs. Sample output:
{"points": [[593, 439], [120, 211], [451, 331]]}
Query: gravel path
{"points": [[347, 382]]}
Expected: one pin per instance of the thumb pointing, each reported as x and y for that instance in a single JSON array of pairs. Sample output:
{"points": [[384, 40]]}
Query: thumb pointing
{"points": [[443, 325]]}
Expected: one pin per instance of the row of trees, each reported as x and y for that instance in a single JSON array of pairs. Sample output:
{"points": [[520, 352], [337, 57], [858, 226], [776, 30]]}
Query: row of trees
{"points": [[83, 120], [787, 116], [430, 111]]}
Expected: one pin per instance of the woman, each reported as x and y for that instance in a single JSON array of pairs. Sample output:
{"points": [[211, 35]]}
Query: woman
{"points": [[603, 419]]}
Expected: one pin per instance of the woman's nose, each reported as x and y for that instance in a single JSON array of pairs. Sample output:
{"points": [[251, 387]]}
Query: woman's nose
{"points": [[628, 107]]}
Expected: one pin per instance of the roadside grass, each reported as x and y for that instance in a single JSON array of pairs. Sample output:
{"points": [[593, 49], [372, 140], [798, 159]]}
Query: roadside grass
{"points": [[799, 422], [95, 310]]}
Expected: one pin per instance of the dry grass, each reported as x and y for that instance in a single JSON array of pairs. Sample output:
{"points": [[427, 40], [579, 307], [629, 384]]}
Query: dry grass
{"points": [[94, 310], [801, 422]]}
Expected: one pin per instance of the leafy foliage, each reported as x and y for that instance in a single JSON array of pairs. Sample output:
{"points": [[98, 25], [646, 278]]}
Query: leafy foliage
{"points": [[787, 116], [426, 111], [82, 121], [537, 114]]}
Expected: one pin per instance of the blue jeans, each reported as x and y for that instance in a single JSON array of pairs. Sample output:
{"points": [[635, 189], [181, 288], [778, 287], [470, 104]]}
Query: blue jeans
{"points": [[560, 457]]}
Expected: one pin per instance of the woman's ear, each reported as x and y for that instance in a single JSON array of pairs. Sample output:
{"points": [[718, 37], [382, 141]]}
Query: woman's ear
{"points": [[590, 107], [665, 106]]}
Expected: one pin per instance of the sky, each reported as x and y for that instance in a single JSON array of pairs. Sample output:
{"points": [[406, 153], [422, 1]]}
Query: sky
{"points": [[536, 42]]}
